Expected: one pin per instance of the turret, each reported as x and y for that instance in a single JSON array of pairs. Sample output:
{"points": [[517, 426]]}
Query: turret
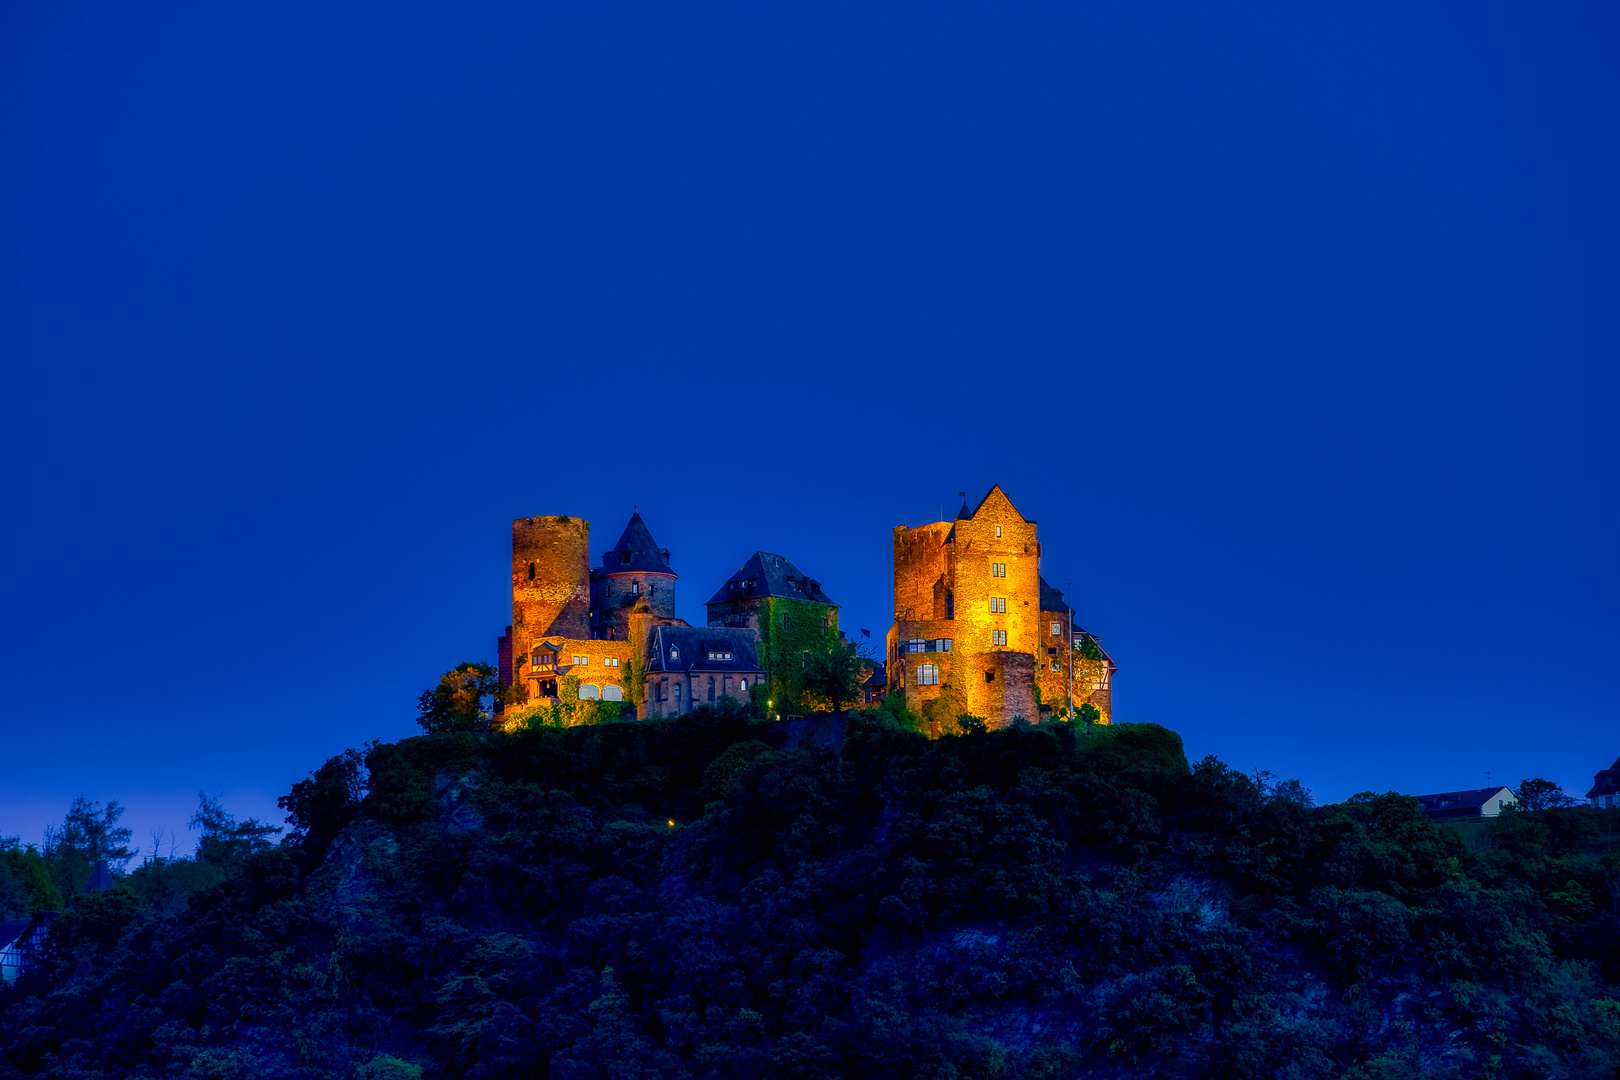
{"points": [[635, 571]]}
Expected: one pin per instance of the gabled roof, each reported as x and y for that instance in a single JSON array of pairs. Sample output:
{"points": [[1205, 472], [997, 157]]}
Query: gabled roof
{"points": [[995, 490], [1452, 801], [1051, 599], [687, 648], [12, 929], [765, 574], [879, 677], [1606, 782], [645, 554]]}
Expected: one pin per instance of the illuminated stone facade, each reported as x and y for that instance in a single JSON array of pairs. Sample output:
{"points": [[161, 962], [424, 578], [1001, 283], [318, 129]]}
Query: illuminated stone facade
{"points": [[586, 629], [976, 629], [973, 624]]}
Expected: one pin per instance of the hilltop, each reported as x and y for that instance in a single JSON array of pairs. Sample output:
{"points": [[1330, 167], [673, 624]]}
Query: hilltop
{"points": [[720, 897]]}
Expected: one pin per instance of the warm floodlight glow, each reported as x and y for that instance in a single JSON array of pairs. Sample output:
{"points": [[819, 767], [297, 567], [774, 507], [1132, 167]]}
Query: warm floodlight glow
{"points": [[672, 823]]}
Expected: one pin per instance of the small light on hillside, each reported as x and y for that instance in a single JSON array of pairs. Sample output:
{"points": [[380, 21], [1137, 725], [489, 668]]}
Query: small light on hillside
{"points": [[672, 823]]}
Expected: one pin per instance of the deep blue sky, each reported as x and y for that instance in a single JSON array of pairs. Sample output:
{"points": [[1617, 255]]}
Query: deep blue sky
{"points": [[1294, 326]]}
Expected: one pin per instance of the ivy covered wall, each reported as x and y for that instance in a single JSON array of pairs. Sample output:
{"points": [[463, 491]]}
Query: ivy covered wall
{"points": [[787, 629]]}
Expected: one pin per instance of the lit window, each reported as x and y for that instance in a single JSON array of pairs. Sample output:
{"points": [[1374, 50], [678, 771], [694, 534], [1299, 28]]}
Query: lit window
{"points": [[745, 686], [927, 674], [716, 655], [1057, 628], [612, 693], [635, 588], [588, 693], [674, 652], [998, 532]]}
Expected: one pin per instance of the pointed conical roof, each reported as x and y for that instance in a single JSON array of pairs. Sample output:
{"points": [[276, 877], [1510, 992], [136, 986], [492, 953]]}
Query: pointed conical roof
{"points": [[636, 552]]}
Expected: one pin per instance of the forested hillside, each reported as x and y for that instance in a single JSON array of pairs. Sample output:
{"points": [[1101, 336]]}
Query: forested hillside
{"points": [[719, 897]]}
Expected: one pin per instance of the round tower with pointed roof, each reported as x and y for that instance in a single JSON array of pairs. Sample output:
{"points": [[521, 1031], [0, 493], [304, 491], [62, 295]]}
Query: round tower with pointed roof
{"points": [[635, 572]]}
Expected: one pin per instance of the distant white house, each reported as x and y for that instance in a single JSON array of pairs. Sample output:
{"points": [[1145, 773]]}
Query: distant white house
{"points": [[1467, 805], [20, 940], [1605, 791]]}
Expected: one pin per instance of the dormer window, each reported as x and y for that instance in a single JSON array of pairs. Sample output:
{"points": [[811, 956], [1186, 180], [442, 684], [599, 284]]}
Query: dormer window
{"points": [[674, 652], [718, 654], [624, 557]]}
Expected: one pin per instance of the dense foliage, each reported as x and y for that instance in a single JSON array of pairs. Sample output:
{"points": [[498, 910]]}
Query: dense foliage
{"points": [[720, 897]]}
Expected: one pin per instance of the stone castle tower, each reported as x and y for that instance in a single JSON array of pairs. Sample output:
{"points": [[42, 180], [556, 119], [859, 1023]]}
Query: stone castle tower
{"points": [[634, 576], [580, 633], [978, 631]]}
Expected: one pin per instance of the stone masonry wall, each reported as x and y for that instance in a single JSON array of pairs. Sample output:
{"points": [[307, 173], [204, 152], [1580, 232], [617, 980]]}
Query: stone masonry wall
{"points": [[613, 599], [551, 589]]}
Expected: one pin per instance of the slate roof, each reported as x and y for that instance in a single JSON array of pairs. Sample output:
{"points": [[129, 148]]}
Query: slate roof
{"points": [[765, 574], [878, 678], [1606, 782], [1051, 599], [1459, 802], [12, 929], [646, 557], [694, 644]]}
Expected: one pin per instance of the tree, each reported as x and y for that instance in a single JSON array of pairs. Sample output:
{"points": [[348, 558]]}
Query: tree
{"points": [[319, 806], [224, 841], [457, 703], [89, 833], [25, 880], [832, 671], [1538, 794]]}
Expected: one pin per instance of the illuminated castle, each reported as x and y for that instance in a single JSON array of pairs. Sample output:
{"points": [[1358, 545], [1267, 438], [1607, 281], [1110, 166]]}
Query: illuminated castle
{"points": [[976, 629], [609, 633]]}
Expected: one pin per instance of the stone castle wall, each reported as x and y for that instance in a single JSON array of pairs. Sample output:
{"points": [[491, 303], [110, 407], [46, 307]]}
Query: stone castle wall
{"points": [[613, 599], [959, 591], [551, 585]]}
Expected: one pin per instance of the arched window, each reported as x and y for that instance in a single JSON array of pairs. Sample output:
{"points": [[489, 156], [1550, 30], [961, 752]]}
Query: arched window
{"points": [[927, 674], [745, 686], [588, 692], [635, 588], [612, 693], [711, 687]]}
